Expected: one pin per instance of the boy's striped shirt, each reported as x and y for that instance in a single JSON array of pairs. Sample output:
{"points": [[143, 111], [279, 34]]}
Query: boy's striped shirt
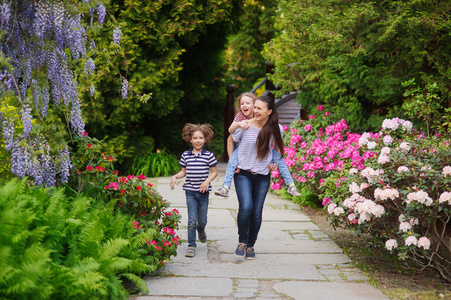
{"points": [[197, 168]]}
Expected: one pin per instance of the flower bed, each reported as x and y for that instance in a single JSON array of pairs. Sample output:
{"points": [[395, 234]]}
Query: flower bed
{"points": [[394, 184]]}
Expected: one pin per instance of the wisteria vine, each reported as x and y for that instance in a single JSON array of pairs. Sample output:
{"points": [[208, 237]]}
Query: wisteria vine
{"points": [[40, 41]]}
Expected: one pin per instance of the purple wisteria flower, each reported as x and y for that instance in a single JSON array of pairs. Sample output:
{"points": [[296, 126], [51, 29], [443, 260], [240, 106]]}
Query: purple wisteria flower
{"points": [[124, 88], [101, 12], [117, 35]]}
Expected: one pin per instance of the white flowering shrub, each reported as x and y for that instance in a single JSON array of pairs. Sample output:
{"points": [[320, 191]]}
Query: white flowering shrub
{"points": [[402, 197]]}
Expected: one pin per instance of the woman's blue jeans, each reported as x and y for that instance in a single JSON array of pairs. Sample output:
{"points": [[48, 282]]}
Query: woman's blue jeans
{"points": [[197, 205], [251, 190]]}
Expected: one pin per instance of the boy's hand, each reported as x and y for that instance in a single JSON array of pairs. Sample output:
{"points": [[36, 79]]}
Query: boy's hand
{"points": [[173, 182], [204, 187]]}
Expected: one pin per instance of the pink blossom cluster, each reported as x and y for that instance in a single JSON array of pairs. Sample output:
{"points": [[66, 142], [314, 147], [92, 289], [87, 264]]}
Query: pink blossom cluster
{"points": [[445, 197], [395, 123], [420, 197], [385, 194], [446, 171], [360, 209]]}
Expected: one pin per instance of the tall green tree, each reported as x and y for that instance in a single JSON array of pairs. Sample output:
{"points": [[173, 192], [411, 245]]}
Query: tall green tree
{"points": [[254, 28], [165, 44], [354, 55]]}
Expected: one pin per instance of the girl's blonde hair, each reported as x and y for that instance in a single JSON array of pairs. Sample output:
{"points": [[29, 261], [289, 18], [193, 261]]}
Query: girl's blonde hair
{"points": [[189, 129], [238, 100]]}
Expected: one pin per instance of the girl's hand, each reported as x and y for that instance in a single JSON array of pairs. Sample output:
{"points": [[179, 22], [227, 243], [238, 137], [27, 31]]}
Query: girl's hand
{"points": [[173, 182], [204, 187], [244, 125]]}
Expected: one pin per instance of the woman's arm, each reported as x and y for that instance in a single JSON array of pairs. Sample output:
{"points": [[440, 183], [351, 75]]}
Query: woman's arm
{"points": [[230, 146], [179, 175]]}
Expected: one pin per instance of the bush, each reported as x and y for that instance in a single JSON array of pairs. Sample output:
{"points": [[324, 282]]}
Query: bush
{"points": [[58, 247], [402, 196], [95, 176], [155, 165]]}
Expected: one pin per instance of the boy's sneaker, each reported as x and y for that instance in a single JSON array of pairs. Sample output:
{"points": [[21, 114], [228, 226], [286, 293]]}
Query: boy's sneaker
{"points": [[202, 236], [293, 190], [223, 192], [190, 251], [250, 253], [240, 249]]}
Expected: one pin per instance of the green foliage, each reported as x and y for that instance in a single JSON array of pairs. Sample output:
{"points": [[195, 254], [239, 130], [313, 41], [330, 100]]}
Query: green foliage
{"points": [[155, 165], [427, 107], [133, 195], [355, 54], [172, 50], [254, 27], [57, 247]]}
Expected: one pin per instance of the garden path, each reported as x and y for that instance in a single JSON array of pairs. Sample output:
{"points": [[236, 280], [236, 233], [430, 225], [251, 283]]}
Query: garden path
{"points": [[294, 258]]}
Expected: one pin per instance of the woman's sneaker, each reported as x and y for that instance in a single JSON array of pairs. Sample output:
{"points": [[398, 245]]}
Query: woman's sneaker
{"points": [[223, 192], [250, 253], [240, 249], [293, 190]]}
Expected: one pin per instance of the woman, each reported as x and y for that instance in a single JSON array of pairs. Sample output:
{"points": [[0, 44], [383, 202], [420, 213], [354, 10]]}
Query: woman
{"points": [[252, 182]]}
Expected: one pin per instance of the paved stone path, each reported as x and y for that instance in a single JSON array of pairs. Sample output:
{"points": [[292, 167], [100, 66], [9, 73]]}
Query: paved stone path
{"points": [[294, 258]]}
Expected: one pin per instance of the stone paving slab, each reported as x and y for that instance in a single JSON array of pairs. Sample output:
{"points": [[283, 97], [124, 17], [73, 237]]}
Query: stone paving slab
{"points": [[300, 226], [282, 247], [246, 269], [297, 259], [328, 291], [189, 286], [284, 216]]}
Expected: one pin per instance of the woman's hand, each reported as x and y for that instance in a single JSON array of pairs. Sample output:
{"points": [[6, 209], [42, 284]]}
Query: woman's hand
{"points": [[272, 167]]}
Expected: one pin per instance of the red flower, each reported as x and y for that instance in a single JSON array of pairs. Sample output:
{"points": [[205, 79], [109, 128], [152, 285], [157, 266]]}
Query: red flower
{"points": [[100, 169], [89, 168], [141, 177], [136, 225], [327, 113], [116, 172], [158, 248], [175, 211], [122, 192], [320, 107], [110, 159], [89, 145], [130, 177], [85, 133], [167, 243], [138, 188], [121, 204], [78, 171], [142, 213], [123, 180], [150, 185]]}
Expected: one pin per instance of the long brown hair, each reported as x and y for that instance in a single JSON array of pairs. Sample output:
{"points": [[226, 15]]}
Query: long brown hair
{"points": [[270, 129]]}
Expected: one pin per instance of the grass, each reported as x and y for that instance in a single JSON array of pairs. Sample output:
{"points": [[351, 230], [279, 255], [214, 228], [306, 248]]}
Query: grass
{"points": [[155, 165]]}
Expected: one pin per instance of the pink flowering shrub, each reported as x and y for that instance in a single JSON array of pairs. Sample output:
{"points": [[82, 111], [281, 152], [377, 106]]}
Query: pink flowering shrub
{"points": [[317, 149], [96, 177], [401, 197]]}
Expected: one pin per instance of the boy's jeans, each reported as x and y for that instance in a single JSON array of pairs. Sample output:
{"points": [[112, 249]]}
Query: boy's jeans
{"points": [[278, 160], [197, 205]]}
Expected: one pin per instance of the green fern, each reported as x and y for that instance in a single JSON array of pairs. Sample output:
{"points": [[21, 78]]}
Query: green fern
{"points": [[54, 246]]}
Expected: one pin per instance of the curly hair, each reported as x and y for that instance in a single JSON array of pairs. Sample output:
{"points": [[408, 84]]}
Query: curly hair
{"points": [[189, 129]]}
